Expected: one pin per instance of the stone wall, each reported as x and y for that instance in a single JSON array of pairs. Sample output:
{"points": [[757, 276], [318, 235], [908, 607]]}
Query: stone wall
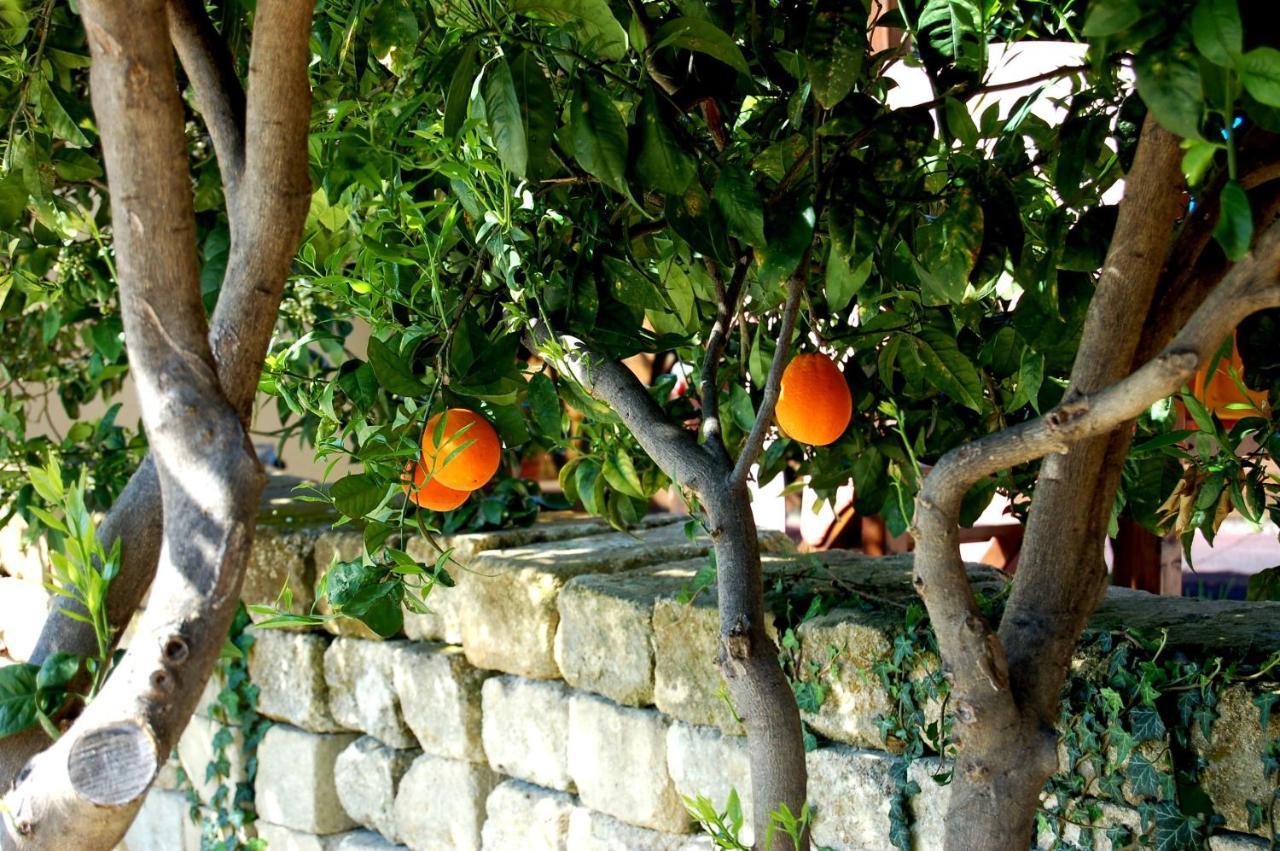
{"points": [[564, 696]]}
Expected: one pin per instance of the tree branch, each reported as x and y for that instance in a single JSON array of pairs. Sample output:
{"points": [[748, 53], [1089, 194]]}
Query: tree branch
{"points": [[219, 95], [764, 417], [728, 301]]}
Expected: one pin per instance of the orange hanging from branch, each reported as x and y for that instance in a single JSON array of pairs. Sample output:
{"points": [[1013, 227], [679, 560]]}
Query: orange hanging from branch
{"points": [[1219, 391], [814, 405], [468, 453]]}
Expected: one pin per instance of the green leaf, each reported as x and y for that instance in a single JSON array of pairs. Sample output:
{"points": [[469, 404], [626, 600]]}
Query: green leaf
{"points": [[17, 698], [599, 136], [393, 33], [356, 495], [13, 199], [701, 36], [58, 669], [459, 93], [537, 111], [842, 280], [1265, 585], [391, 370], [1234, 230], [630, 286], [1196, 161], [1216, 30], [601, 31], [661, 162], [13, 22], [620, 473], [947, 249], [960, 123], [736, 196], [789, 239], [544, 404], [834, 47], [502, 112], [56, 107], [588, 483], [1260, 73], [1143, 777], [1170, 87], [1108, 17], [1147, 725], [948, 369]]}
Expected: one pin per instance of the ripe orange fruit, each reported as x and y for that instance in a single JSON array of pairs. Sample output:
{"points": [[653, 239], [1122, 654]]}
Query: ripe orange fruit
{"points": [[1218, 391], [429, 493], [814, 405], [475, 464]]}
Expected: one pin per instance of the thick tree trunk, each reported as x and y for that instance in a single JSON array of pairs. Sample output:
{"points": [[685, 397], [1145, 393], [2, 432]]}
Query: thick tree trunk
{"points": [[748, 660]]}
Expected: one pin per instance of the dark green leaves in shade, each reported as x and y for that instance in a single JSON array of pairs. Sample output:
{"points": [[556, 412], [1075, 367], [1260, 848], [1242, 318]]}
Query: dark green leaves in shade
{"points": [[599, 138], [1216, 30], [17, 698], [1234, 230], [701, 36], [393, 33], [948, 369], [544, 405], [537, 112], [356, 495], [1170, 86], [736, 196], [834, 48], [502, 111], [459, 94], [662, 163], [392, 370], [1260, 73], [600, 31]]}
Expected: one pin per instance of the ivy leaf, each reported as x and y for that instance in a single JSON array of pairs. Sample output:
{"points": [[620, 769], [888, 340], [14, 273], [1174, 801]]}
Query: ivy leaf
{"points": [[1216, 30], [356, 495], [1234, 230], [834, 47], [599, 136], [736, 196], [502, 112], [17, 698], [544, 404], [601, 31], [392, 372], [1143, 777], [459, 93], [661, 162], [948, 369], [1146, 724], [701, 36], [1174, 830], [1260, 73]]}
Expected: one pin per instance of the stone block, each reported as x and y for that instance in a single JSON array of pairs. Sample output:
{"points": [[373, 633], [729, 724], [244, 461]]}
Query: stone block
{"points": [[605, 643], [167, 776], [288, 669], [850, 790], [928, 808], [1234, 774], [295, 784], [595, 831], [339, 545], [1237, 842], [283, 556], [196, 753], [525, 729], [163, 823], [23, 608], [704, 762], [444, 621], [367, 775], [441, 803], [618, 762], [522, 817], [439, 694], [361, 679], [510, 617], [365, 840], [281, 838]]}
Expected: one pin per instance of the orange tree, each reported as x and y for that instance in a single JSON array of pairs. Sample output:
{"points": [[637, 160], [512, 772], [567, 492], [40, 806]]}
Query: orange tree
{"points": [[514, 196]]}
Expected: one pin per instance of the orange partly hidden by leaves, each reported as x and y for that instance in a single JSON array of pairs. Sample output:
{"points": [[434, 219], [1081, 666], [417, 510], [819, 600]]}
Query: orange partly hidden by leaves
{"points": [[814, 406], [429, 493], [468, 453], [1219, 390]]}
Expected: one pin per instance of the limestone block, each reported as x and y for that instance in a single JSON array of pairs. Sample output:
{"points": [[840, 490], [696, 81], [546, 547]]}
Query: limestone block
{"points": [[367, 775], [23, 608], [850, 790], [605, 641], [1072, 832], [704, 762], [525, 729], [441, 803], [362, 696], [1234, 773], [444, 621], [928, 809], [282, 556], [522, 817], [163, 824], [295, 784], [365, 840], [1205, 627], [594, 831], [439, 694], [509, 618], [167, 776], [288, 669], [281, 838], [196, 753], [618, 761], [339, 545]]}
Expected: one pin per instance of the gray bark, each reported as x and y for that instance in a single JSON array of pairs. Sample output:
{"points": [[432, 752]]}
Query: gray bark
{"points": [[202, 476]]}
